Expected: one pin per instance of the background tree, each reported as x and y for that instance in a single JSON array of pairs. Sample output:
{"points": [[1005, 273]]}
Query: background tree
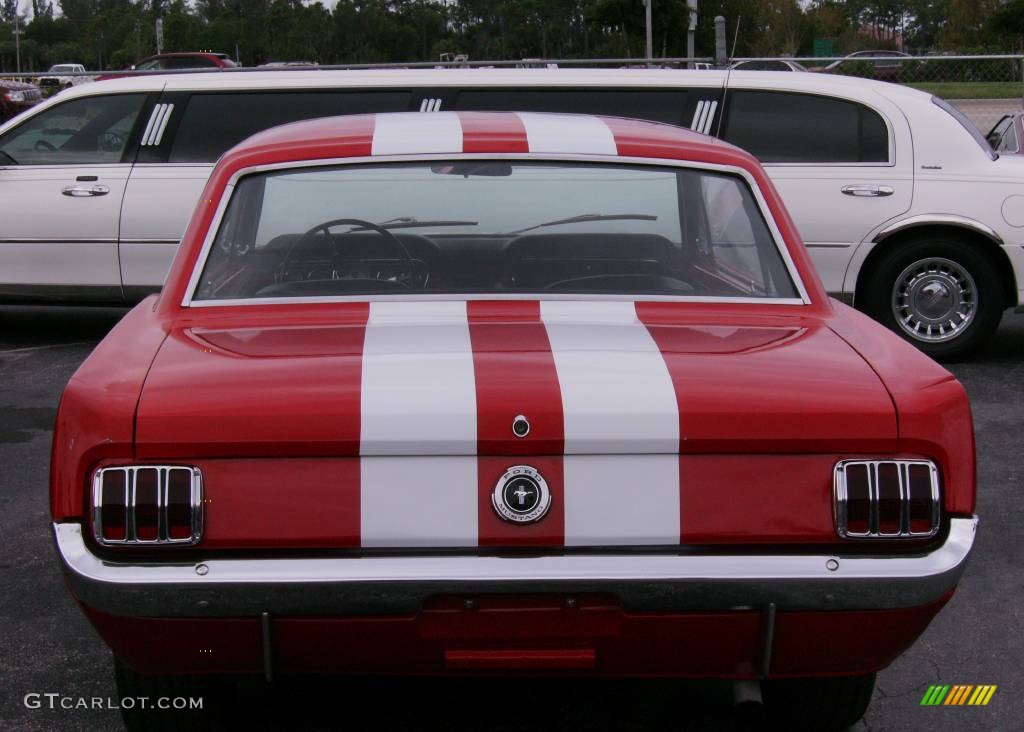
{"points": [[116, 33]]}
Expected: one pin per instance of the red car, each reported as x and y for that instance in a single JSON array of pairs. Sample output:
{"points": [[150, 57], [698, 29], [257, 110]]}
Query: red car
{"points": [[16, 97], [507, 393], [190, 60], [183, 61]]}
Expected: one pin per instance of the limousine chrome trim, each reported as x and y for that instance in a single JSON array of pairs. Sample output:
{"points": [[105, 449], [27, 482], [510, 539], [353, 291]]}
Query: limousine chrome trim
{"points": [[102, 240], [704, 116], [55, 240], [149, 125], [157, 124], [347, 584], [211, 233], [948, 219], [150, 241]]}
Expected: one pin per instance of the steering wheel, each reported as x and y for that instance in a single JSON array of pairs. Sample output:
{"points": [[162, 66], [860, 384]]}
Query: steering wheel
{"points": [[44, 146], [110, 142], [326, 226]]}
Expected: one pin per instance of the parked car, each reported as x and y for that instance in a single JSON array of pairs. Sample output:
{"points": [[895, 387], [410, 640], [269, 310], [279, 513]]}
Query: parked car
{"points": [[1006, 135], [63, 76], [289, 64], [16, 97], [188, 60], [884, 65], [183, 61], [361, 429], [920, 230], [761, 64]]}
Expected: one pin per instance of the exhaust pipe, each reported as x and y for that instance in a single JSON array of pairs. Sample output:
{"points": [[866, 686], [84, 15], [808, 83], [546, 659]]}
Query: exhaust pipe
{"points": [[747, 695]]}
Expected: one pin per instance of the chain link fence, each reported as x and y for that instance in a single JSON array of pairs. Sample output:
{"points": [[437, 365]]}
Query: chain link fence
{"points": [[985, 88]]}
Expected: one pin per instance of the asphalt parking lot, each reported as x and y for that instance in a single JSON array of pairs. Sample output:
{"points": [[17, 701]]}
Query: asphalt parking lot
{"points": [[46, 645]]}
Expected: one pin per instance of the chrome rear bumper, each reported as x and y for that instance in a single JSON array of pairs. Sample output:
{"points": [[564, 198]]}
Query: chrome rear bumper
{"points": [[377, 585]]}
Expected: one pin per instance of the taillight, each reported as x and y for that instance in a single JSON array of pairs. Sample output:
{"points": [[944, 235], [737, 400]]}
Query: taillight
{"points": [[148, 504], [886, 499]]}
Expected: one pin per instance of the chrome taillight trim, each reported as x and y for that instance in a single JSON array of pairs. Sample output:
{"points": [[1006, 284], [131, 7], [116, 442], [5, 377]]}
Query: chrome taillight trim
{"points": [[839, 499], [163, 482]]}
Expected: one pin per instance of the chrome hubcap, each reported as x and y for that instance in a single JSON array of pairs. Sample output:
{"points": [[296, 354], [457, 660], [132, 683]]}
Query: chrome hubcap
{"points": [[934, 300]]}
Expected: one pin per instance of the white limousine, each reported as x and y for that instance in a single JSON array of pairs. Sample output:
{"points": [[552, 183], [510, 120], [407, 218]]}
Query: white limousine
{"points": [[907, 211]]}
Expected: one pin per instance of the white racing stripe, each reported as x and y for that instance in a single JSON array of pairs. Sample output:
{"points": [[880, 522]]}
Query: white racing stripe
{"points": [[410, 133], [621, 499], [553, 133], [621, 425], [418, 501], [418, 398], [617, 394]]}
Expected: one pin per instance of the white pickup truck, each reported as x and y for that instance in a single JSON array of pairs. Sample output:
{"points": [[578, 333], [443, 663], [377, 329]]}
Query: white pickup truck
{"points": [[63, 76]]}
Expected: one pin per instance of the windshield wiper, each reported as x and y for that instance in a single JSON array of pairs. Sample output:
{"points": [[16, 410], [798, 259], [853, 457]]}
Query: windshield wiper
{"points": [[410, 222], [10, 157], [583, 218]]}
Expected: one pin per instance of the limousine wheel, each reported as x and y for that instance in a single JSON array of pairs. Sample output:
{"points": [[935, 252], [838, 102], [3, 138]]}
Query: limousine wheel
{"points": [[145, 715], [939, 293], [819, 704]]}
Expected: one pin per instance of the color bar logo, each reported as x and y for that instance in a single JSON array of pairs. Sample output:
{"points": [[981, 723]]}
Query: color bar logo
{"points": [[958, 695]]}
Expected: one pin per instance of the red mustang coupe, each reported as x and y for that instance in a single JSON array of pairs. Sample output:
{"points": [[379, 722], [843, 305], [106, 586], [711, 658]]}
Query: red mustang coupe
{"points": [[507, 393]]}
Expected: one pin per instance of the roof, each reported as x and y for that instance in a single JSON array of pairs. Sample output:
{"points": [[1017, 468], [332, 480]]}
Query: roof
{"points": [[312, 78], [433, 133]]}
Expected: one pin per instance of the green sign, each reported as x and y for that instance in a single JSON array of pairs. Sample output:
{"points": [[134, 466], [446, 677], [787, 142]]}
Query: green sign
{"points": [[823, 47]]}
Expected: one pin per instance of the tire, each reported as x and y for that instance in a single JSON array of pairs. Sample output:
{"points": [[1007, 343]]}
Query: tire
{"points": [[938, 292], [152, 719], [817, 705]]}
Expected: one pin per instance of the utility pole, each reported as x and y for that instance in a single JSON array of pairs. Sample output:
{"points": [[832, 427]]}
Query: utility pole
{"points": [[692, 26], [650, 34], [17, 36], [721, 49]]}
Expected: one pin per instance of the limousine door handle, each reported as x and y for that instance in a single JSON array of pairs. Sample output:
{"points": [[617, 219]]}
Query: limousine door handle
{"points": [[82, 191], [868, 190]]}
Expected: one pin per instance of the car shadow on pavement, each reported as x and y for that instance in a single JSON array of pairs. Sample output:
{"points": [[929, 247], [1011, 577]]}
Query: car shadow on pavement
{"points": [[496, 704], [45, 325]]}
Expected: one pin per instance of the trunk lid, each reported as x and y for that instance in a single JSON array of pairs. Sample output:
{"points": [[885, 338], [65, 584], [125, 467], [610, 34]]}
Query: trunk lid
{"points": [[409, 410], [429, 380]]}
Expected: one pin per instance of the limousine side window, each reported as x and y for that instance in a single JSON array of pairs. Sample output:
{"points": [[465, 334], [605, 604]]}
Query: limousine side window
{"points": [[784, 127], [86, 131], [215, 122], [650, 104]]}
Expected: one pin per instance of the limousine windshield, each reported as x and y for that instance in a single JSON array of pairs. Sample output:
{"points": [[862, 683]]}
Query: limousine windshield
{"points": [[492, 227]]}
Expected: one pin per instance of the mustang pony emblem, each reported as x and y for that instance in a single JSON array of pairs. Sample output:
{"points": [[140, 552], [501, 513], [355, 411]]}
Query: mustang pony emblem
{"points": [[521, 495]]}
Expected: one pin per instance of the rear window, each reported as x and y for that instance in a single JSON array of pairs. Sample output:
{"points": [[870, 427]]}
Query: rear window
{"points": [[493, 227], [784, 127], [213, 123]]}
